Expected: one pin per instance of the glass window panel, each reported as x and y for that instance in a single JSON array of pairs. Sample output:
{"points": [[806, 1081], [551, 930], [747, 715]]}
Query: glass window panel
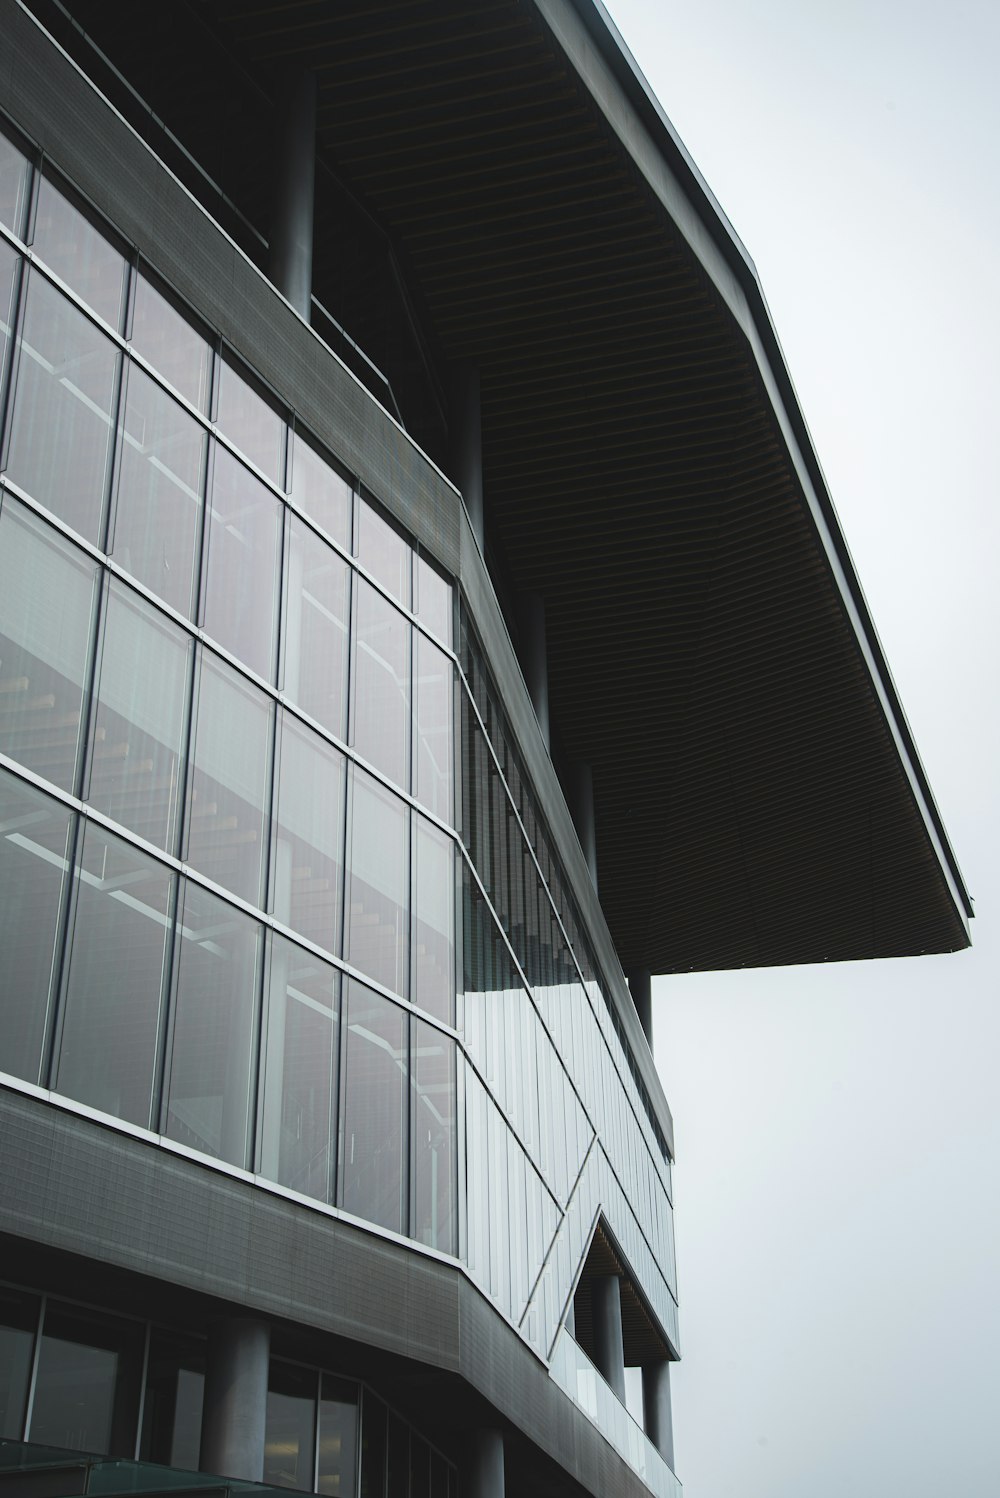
{"points": [[229, 782], [338, 1438], [175, 349], [434, 759], [62, 425], [18, 1322], [300, 1071], [217, 955], [8, 280], [87, 1385], [434, 1111], [320, 492], [289, 1433], [308, 834], [433, 601], [157, 525], [250, 422], [107, 1056], [434, 936], [172, 1400], [373, 1421], [420, 1468], [13, 185], [381, 695], [373, 1168], [34, 833], [47, 592], [139, 721], [398, 1464], [79, 253], [314, 666], [384, 553], [244, 538], [377, 937]]}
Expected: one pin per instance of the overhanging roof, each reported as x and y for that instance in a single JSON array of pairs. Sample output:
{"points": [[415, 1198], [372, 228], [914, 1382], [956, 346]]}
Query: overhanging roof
{"points": [[759, 799]]}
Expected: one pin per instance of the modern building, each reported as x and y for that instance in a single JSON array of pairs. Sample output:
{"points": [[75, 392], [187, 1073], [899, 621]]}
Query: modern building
{"points": [[422, 617]]}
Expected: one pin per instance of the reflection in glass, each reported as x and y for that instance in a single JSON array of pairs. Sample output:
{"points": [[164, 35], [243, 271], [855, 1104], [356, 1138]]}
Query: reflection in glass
{"points": [[300, 1071], [377, 939], [107, 1055], [244, 530], [433, 601], [434, 913], [47, 591], [172, 1400], [139, 720], [8, 280], [173, 347], [383, 552], [373, 1144], [34, 831], [308, 834], [157, 525], [433, 693], [79, 253], [314, 666], [289, 1437], [87, 1384], [215, 1008], [18, 1320], [320, 492], [381, 692], [338, 1438], [13, 185], [434, 1168], [228, 786], [250, 422], [62, 424]]}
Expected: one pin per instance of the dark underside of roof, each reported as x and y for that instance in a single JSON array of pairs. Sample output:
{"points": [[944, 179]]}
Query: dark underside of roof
{"points": [[752, 806]]}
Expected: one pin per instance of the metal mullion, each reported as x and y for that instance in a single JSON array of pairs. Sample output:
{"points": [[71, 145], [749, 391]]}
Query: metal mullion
{"points": [[29, 1406]]}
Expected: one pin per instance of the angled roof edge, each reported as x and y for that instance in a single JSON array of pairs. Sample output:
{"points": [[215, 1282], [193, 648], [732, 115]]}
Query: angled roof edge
{"points": [[579, 26]]}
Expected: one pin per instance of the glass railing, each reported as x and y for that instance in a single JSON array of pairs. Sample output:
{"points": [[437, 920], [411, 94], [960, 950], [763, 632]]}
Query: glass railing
{"points": [[576, 1376], [78, 1472]]}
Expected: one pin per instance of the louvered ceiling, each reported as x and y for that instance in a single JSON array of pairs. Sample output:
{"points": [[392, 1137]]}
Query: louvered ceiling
{"points": [[752, 806]]}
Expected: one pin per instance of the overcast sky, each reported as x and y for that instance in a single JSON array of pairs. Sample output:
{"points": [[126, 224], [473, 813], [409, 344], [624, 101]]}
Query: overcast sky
{"points": [[838, 1128]]}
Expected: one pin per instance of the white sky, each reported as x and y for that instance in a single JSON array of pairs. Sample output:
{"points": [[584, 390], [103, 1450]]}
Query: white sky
{"points": [[838, 1129]]}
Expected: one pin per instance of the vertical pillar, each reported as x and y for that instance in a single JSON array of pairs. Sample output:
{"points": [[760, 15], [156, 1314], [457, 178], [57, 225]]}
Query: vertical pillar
{"points": [[290, 252], [581, 805], [235, 1405], [484, 1474], [534, 658], [609, 1344], [465, 434], [656, 1408], [641, 988]]}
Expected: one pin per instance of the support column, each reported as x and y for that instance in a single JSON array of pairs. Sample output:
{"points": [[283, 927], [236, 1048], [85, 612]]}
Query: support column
{"points": [[484, 1475], [290, 252], [656, 1413], [534, 658], [465, 434], [609, 1344], [235, 1406], [640, 986], [581, 805]]}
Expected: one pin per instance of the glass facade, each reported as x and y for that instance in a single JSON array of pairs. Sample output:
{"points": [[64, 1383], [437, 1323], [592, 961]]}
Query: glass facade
{"points": [[81, 1379], [273, 883]]}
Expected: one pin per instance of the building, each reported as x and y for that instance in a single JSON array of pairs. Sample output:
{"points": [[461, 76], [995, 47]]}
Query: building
{"points": [[407, 529]]}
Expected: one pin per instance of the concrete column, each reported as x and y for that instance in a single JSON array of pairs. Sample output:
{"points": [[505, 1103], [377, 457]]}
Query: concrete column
{"points": [[534, 657], [465, 433], [290, 252], [484, 1475], [581, 805], [656, 1409], [235, 1406], [609, 1345], [640, 986]]}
